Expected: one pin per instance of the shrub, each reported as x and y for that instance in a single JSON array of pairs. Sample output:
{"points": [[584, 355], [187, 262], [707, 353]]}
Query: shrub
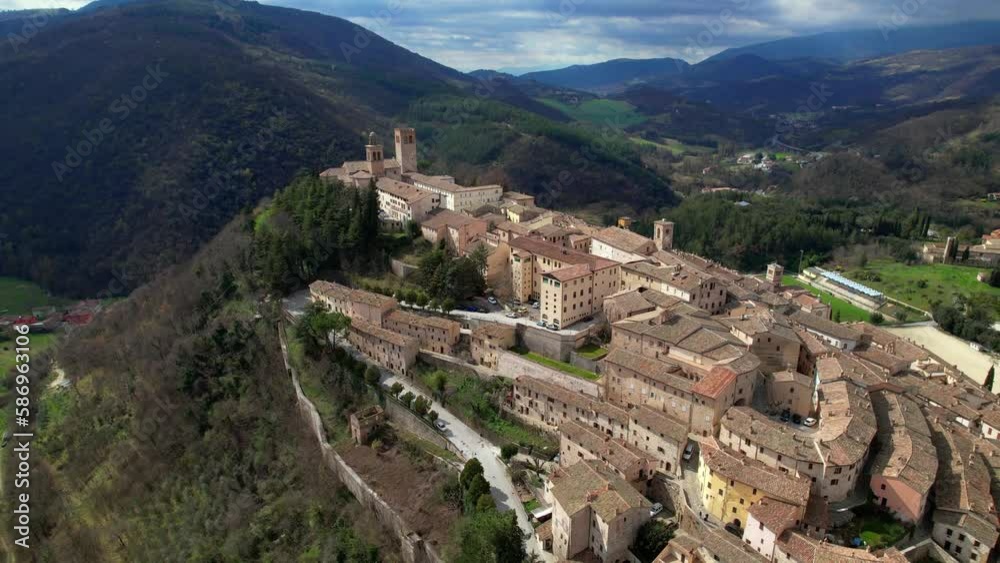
{"points": [[396, 389], [432, 415], [372, 375], [508, 451], [877, 318], [421, 406]]}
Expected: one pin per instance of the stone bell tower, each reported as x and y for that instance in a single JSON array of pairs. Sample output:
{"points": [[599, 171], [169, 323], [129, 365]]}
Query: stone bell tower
{"points": [[406, 149], [373, 156], [663, 234]]}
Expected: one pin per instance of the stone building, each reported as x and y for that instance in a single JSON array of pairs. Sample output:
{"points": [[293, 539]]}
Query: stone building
{"points": [[792, 391], [354, 303], [402, 204], [576, 292], [620, 245], [832, 456], [596, 514], [688, 285], [434, 333], [530, 258], [903, 470], [391, 350], [364, 422], [579, 442], [731, 483], [455, 197], [488, 340], [458, 230], [660, 436], [547, 406]]}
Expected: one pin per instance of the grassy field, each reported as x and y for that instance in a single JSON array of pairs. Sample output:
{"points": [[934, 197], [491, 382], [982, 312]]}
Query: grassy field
{"points": [[19, 296], [602, 113], [674, 146], [877, 529], [39, 343], [592, 352], [923, 284], [561, 366], [847, 311]]}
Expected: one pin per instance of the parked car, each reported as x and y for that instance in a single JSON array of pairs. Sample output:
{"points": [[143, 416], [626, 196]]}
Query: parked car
{"points": [[688, 452], [734, 529], [797, 419], [553, 326], [786, 415], [511, 315], [471, 308], [439, 423], [541, 324], [655, 509], [492, 300], [535, 305], [587, 319], [809, 421]]}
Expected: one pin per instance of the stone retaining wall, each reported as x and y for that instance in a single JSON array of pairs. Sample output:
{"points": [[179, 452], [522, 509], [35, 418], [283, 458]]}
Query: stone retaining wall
{"points": [[513, 365], [408, 420], [413, 547]]}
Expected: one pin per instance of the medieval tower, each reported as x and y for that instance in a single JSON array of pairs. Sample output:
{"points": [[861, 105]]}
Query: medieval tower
{"points": [[373, 156], [406, 149], [663, 234], [774, 273]]}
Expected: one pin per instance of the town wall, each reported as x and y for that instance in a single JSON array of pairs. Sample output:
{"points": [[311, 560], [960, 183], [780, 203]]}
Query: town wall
{"points": [[512, 365], [413, 548], [549, 343]]}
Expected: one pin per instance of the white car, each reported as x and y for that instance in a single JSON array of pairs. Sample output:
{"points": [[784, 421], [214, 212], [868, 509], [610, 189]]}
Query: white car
{"points": [[688, 452], [809, 421], [655, 509], [439, 423], [492, 300]]}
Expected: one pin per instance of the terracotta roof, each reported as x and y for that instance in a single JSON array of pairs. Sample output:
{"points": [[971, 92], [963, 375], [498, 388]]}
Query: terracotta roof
{"points": [[666, 373], [715, 383], [906, 451], [570, 272], [615, 453], [623, 239], [659, 423], [406, 192], [586, 483], [337, 291], [562, 254], [684, 279], [401, 340], [804, 549], [448, 218], [406, 317], [825, 326], [775, 515], [493, 330], [738, 467]]}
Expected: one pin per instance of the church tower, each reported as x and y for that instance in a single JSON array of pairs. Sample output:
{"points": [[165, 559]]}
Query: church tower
{"points": [[663, 234], [373, 156], [406, 149]]}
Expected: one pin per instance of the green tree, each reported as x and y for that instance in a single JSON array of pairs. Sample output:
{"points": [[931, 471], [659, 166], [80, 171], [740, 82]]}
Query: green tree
{"points": [[489, 537], [396, 389], [877, 318], [421, 405], [651, 539], [432, 415], [508, 451], [472, 468], [439, 383], [836, 315], [988, 384], [407, 398], [476, 488], [372, 375]]}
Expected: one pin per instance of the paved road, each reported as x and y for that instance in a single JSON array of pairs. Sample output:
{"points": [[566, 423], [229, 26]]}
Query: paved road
{"points": [[472, 445]]}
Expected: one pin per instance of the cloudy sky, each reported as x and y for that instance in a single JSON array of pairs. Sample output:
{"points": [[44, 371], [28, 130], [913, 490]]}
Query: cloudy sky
{"points": [[532, 34]]}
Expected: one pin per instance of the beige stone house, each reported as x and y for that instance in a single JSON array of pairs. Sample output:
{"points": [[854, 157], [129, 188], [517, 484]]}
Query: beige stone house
{"points": [[402, 204], [687, 284], [620, 245], [434, 333], [488, 340], [458, 230], [595, 513], [792, 391], [531, 257], [391, 350], [576, 292], [356, 304], [581, 442]]}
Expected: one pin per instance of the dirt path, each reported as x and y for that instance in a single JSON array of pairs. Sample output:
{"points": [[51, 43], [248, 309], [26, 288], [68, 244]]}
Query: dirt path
{"points": [[950, 348]]}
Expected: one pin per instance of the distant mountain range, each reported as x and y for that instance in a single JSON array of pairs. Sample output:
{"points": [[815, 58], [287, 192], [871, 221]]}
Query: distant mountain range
{"points": [[809, 53], [610, 75]]}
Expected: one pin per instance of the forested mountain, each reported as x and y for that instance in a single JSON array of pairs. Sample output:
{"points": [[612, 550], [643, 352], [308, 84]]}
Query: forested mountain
{"points": [[886, 39], [206, 107], [609, 76]]}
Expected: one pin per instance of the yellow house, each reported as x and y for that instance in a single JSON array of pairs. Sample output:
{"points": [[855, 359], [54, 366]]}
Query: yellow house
{"points": [[730, 483]]}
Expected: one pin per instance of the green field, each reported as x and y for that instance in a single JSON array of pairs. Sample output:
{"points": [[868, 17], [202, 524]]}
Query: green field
{"points": [[674, 146], [19, 296], [592, 352], [848, 312], [602, 113], [923, 284], [561, 366]]}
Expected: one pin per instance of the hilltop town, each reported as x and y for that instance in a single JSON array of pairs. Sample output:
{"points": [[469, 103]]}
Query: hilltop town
{"points": [[728, 405]]}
